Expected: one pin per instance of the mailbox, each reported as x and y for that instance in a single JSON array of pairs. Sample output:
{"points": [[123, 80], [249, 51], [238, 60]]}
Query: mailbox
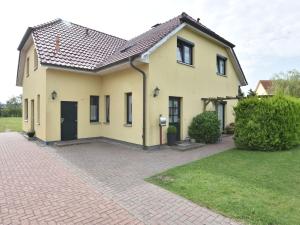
{"points": [[162, 121]]}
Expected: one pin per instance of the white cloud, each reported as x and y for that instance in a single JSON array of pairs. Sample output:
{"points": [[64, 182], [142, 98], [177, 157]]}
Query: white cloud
{"points": [[266, 33]]}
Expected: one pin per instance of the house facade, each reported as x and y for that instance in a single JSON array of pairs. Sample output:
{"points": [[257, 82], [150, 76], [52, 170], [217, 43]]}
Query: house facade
{"points": [[80, 83]]}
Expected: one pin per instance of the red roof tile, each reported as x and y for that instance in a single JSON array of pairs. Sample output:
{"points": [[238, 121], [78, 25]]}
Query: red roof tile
{"points": [[65, 44]]}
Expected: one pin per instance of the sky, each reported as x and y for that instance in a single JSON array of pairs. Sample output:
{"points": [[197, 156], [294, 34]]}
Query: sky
{"points": [[266, 33]]}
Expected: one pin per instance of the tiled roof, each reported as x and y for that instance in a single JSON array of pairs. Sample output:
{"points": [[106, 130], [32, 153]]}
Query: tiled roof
{"points": [[66, 44], [267, 84]]}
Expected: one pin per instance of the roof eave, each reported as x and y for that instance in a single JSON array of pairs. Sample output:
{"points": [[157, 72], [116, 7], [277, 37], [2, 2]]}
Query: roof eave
{"points": [[25, 37], [207, 31]]}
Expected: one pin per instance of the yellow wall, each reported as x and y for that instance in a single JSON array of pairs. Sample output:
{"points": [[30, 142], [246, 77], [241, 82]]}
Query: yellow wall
{"points": [[191, 83], [33, 85], [78, 87]]}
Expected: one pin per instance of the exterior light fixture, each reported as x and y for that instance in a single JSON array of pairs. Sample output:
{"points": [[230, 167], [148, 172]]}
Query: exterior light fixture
{"points": [[156, 92], [53, 95]]}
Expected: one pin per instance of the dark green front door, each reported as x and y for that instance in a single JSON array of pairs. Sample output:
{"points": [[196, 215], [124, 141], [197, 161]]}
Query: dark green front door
{"points": [[68, 120], [174, 114]]}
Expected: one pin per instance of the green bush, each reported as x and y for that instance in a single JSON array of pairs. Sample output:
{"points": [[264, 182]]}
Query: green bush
{"points": [[171, 130], [205, 127], [267, 124]]}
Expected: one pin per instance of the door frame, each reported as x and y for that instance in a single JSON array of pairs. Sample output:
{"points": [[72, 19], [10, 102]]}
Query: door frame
{"points": [[76, 133], [179, 99]]}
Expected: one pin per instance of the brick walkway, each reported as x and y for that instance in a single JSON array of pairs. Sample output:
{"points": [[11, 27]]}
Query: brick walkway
{"points": [[119, 172], [36, 188], [95, 183]]}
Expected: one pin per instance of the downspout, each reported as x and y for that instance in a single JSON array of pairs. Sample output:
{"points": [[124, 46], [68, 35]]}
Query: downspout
{"points": [[144, 99]]}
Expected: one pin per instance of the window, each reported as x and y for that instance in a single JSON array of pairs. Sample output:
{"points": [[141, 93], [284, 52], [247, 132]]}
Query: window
{"points": [[107, 106], [94, 108], [221, 65], [184, 52], [36, 62], [27, 67], [26, 109], [129, 108], [38, 109]]}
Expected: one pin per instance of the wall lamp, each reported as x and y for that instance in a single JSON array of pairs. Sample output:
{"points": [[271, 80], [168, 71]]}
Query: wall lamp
{"points": [[53, 95], [156, 92]]}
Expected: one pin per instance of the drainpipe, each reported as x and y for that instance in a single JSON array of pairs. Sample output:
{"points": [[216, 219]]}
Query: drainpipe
{"points": [[144, 99]]}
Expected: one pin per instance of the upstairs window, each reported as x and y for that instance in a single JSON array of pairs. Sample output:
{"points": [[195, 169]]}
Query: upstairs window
{"points": [[27, 67], [36, 62], [221, 65], [184, 52], [129, 108], [107, 108], [94, 108]]}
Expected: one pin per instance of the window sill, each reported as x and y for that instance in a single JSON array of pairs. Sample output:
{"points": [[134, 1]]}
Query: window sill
{"points": [[106, 123], [37, 123], [182, 63], [127, 125], [94, 123], [221, 75], [26, 121]]}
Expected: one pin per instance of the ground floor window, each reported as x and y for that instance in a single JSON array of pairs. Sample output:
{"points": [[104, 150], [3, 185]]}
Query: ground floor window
{"points": [[26, 109], [94, 108], [38, 108], [107, 108], [129, 108]]}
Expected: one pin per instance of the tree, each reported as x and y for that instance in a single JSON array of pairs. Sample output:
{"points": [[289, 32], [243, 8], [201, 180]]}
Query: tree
{"points": [[251, 93], [13, 107], [287, 83]]}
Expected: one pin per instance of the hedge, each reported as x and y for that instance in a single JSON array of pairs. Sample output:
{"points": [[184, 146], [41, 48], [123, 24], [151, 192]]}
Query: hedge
{"points": [[205, 127], [267, 124]]}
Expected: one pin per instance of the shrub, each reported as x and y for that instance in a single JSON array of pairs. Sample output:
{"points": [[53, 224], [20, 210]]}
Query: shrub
{"points": [[171, 130], [205, 127], [229, 129], [267, 124]]}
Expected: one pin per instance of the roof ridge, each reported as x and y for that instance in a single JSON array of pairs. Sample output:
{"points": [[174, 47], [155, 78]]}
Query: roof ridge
{"points": [[95, 30], [46, 24]]}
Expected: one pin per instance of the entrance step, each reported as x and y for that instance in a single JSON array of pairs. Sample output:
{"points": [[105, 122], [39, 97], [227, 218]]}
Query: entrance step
{"points": [[72, 142], [184, 146]]}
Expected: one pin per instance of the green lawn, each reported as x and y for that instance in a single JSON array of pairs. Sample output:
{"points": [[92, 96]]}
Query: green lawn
{"points": [[254, 187], [10, 124]]}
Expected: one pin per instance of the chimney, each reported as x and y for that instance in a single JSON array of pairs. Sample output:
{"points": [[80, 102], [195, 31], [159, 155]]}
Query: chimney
{"points": [[198, 20], [57, 44], [87, 31]]}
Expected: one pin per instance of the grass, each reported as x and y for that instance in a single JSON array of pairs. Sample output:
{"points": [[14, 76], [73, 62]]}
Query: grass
{"points": [[254, 187], [10, 124]]}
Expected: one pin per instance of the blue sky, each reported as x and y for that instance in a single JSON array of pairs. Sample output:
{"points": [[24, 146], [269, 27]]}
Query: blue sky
{"points": [[266, 33]]}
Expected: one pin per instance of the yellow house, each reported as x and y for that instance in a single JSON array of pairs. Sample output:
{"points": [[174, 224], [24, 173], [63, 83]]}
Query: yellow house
{"points": [[81, 83]]}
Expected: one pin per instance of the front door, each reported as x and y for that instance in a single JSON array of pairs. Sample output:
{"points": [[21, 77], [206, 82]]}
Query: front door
{"points": [[174, 114], [221, 115], [68, 120]]}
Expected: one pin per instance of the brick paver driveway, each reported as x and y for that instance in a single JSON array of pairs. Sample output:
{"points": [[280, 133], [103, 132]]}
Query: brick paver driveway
{"points": [[97, 183], [37, 188]]}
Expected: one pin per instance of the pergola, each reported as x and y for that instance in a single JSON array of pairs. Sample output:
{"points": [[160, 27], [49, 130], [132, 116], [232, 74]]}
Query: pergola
{"points": [[217, 99]]}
